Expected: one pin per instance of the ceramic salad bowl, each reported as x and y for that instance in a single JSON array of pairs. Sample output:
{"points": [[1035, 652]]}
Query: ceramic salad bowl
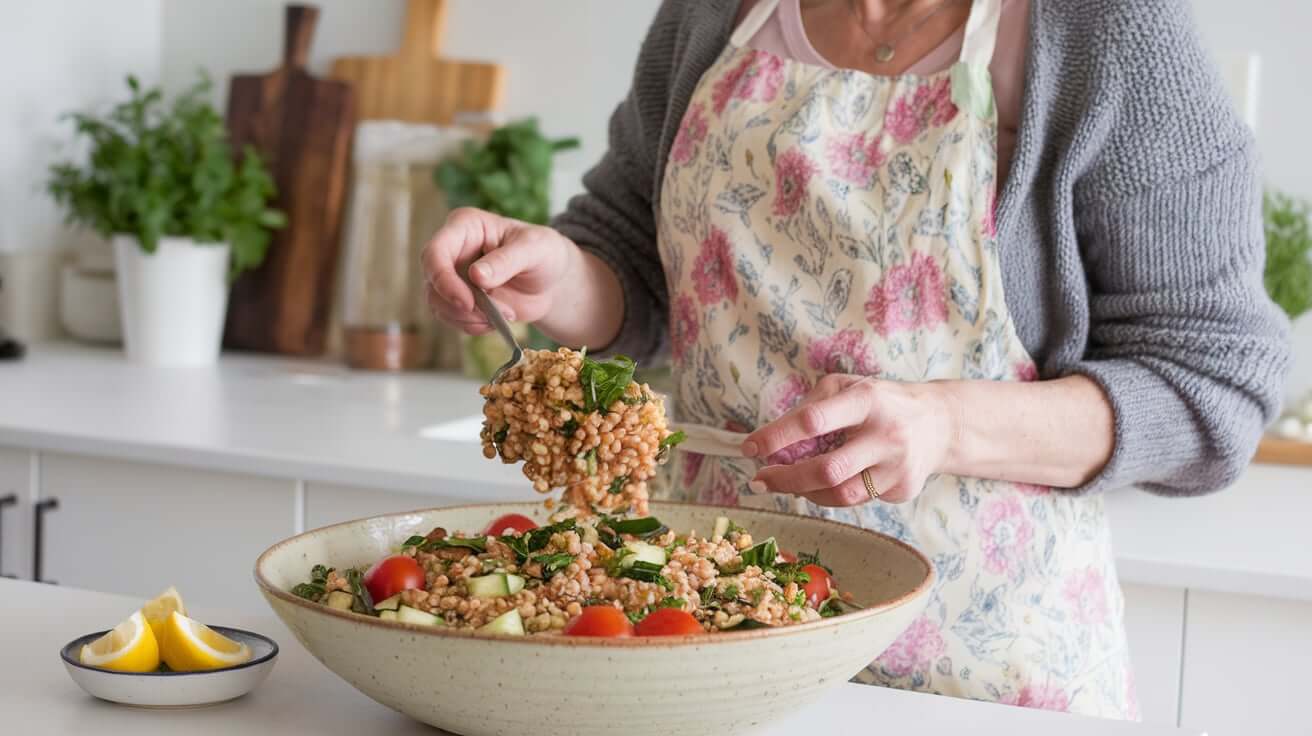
{"points": [[478, 684]]}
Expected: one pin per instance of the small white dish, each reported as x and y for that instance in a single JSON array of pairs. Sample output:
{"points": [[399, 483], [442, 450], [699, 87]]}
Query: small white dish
{"points": [[174, 689]]}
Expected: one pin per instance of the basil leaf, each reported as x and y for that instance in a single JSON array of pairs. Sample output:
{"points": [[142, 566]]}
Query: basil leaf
{"points": [[414, 541], [604, 383], [308, 591], [673, 439], [362, 602], [552, 563], [319, 573], [647, 572], [477, 544], [500, 437], [833, 606], [637, 527], [761, 555], [791, 572], [617, 485]]}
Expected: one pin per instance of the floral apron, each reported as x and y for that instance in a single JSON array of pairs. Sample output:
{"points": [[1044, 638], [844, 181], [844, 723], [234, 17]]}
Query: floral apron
{"points": [[821, 221]]}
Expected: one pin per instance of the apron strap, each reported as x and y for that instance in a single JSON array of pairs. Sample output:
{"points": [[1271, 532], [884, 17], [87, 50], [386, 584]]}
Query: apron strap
{"points": [[755, 19], [981, 32]]}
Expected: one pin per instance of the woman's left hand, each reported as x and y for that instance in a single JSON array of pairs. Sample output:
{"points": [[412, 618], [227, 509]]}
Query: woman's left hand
{"points": [[901, 432]]}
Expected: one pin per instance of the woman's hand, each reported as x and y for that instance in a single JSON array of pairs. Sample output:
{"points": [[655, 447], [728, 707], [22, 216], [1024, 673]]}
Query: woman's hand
{"points": [[532, 272], [901, 432]]}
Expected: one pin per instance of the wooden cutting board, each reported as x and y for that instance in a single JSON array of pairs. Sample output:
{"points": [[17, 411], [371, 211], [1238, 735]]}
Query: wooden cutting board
{"points": [[302, 126], [416, 86]]}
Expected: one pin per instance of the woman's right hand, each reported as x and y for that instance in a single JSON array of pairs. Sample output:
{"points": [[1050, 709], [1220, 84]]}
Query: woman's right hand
{"points": [[521, 266]]}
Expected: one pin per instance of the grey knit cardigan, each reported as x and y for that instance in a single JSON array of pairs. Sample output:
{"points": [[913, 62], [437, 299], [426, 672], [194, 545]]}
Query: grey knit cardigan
{"points": [[1130, 227]]}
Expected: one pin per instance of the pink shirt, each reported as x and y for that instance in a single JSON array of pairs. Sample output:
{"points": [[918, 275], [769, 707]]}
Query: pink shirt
{"points": [[784, 35]]}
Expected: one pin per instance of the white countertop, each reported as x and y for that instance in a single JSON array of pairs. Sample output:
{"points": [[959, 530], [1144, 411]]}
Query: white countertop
{"points": [[301, 696], [316, 421]]}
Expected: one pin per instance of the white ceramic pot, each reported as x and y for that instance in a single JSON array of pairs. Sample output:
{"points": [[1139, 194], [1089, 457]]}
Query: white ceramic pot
{"points": [[173, 301], [88, 305], [494, 685]]}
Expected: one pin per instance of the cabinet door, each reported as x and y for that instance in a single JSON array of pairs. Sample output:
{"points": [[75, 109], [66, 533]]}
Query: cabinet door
{"points": [[133, 528], [1154, 624], [1245, 665], [329, 503], [15, 522]]}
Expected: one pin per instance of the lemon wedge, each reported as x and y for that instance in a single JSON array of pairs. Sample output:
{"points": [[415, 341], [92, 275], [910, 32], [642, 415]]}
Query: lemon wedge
{"points": [[128, 647], [191, 645], [158, 610]]}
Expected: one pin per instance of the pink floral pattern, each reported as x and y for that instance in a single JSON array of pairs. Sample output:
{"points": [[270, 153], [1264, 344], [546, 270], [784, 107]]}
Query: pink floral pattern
{"points": [[917, 648], [911, 296], [927, 106], [757, 77], [683, 326], [1086, 595], [816, 243], [856, 157], [792, 174], [712, 271], [1040, 697], [843, 352], [691, 134], [1005, 531]]}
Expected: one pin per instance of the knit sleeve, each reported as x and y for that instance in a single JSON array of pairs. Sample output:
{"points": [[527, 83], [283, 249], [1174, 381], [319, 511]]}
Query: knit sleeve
{"points": [[1183, 339]]}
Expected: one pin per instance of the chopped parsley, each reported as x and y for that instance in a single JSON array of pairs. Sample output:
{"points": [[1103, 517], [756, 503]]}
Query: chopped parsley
{"points": [[569, 427], [315, 589], [552, 563], [361, 602], [668, 601], [674, 438], [791, 572]]}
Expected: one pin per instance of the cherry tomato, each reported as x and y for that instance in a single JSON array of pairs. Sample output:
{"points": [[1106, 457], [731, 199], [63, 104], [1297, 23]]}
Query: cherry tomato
{"points": [[603, 621], [820, 586], [392, 575], [668, 622], [510, 523], [788, 557]]}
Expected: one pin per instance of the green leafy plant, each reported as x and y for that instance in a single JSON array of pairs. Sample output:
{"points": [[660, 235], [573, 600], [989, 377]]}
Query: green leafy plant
{"points": [[1288, 253], [155, 170], [509, 173]]}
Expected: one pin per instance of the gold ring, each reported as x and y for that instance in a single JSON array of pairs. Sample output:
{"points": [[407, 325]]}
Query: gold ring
{"points": [[870, 484]]}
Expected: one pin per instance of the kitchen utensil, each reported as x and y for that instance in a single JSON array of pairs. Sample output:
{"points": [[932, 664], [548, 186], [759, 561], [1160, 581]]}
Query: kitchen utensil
{"points": [[302, 127], [416, 86], [726, 683], [489, 310], [168, 689], [711, 441]]}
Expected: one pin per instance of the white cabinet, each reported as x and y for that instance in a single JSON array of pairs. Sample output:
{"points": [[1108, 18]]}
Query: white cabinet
{"points": [[134, 528], [1154, 624], [15, 519], [1245, 667], [329, 503]]}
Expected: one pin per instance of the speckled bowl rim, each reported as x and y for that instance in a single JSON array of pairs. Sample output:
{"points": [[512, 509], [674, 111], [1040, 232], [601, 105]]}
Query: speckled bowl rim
{"points": [[637, 641], [65, 653]]}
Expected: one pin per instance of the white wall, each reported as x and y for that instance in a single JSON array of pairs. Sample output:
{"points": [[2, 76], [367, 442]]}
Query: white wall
{"points": [[55, 57], [568, 61]]}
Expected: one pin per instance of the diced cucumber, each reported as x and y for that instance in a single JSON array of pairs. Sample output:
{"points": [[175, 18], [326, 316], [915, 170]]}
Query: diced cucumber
{"points": [[340, 599], [387, 615], [489, 586], [644, 552], [408, 615], [507, 623], [721, 527], [388, 604], [514, 583]]}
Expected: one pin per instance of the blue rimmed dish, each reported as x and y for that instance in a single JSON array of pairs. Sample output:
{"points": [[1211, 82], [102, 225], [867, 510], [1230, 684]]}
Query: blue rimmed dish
{"points": [[168, 689]]}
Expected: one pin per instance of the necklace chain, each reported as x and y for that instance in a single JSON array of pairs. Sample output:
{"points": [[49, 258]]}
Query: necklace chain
{"points": [[886, 50]]}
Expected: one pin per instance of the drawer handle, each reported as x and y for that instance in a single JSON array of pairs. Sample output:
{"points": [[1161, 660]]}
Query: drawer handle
{"points": [[40, 508], [9, 499]]}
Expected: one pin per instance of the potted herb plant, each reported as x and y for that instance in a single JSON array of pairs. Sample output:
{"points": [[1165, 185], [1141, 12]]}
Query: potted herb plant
{"points": [[1288, 280], [184, 214], [509, 173]]}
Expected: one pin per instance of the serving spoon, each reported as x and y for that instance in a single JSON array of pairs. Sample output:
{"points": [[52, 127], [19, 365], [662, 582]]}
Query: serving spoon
{"points": [[494, 318]]}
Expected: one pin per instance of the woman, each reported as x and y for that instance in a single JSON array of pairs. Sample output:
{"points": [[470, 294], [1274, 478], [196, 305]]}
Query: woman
{"points": [[798, 204]]}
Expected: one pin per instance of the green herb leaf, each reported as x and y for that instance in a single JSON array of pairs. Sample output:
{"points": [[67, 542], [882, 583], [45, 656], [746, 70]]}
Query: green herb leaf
{"points": [[648, 572], [617, 485], [414, 541], [477, 544], [308, 591], [604, 382], [570, 426], [762, 554], [362, 602], [832, 606], [791, 572], [813, 559], [748, 624], [552, 563], [642, 528], [501, 434]]}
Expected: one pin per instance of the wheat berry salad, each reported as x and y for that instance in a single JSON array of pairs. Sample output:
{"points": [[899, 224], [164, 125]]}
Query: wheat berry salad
{"points": [[586, 575]]}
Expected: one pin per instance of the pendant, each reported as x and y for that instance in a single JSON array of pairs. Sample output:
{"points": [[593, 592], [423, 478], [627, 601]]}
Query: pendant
{"points": [[884, 53]]}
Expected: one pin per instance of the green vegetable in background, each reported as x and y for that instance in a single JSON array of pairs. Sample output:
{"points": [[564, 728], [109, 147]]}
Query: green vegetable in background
{"points": [[1288, 253], [509, 173], [155, 170]]}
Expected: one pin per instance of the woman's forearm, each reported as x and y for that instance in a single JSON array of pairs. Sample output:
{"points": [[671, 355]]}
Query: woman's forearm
{"points": [[588, 306], [1056, 433]]}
